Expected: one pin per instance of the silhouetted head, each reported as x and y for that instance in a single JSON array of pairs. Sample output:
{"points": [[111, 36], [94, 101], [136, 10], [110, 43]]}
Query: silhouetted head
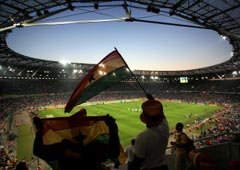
{"points": [[133, 141], [179, 127], [21, 166], [152, 114]]}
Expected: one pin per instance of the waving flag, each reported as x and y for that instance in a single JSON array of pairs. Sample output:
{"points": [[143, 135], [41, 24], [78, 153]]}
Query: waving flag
{"points": [[106, 73]]}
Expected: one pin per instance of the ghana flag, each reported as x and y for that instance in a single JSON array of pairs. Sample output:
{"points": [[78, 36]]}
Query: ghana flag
{"points": [[59, 128], [106, 73], [93, 128]]}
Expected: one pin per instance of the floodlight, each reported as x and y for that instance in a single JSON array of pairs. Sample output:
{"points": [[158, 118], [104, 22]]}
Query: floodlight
{"points": [[95, 5]]}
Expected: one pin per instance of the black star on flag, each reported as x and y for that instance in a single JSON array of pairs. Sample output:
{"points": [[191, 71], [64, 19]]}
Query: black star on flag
{"points": [[91, 79]]}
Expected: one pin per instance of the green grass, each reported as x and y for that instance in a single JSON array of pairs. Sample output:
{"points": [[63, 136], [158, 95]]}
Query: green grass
{"points": [[25, 142], [128, 121]]}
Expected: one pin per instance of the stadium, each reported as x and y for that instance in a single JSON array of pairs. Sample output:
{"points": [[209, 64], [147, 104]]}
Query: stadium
{"points": [[32, 86]]}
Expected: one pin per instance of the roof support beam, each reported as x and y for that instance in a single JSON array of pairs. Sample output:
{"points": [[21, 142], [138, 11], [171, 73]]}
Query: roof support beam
{"points": [[223, 12], [13, 7], [176, 6]]}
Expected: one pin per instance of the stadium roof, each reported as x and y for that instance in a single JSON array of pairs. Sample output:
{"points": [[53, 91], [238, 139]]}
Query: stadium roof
{"points": [[222, 16]]}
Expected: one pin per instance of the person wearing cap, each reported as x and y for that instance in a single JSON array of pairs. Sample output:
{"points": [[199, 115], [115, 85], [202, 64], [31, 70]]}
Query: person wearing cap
{"points": [[150, 145]]}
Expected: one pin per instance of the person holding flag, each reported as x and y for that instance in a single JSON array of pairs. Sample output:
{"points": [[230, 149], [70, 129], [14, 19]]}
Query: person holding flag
{"points": [[73, 142], [74, 154], [150, 145]]}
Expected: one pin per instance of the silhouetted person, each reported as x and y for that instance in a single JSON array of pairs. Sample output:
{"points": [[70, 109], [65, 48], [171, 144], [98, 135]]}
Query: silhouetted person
{"points": [[180, 148], [77, 156], [130, 153], [150, 145]]}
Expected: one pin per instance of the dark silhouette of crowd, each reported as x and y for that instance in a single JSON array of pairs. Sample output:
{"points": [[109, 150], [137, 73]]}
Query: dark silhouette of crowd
{"points": [[68, 154], [18, 96]]}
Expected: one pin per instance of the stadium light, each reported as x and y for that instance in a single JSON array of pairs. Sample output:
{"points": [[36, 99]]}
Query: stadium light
{"points": [[223, 37], [151, 8], [96, 6], [11, 69], [234, 73], [63, 62]]}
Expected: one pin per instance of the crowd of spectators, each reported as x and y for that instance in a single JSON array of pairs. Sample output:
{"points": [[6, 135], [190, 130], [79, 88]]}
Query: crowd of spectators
{"points": [[223, 125], [18, 96]]}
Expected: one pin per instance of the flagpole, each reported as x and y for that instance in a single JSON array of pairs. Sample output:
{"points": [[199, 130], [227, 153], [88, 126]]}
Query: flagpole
{"points": [[149, 96]]}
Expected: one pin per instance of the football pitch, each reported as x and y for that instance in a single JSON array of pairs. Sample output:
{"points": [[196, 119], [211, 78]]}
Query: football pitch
{"points": [[126, 114]]}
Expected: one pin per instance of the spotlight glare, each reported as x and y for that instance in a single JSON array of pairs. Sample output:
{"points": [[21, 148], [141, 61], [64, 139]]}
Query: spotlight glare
{"points": [[63, 62]]}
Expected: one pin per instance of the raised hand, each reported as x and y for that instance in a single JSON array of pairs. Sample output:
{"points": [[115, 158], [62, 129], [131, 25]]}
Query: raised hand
{"points": [[38, 123], [110, 121]]}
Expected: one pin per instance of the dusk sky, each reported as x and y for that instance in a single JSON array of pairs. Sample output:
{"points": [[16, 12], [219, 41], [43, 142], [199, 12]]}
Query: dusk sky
{"points": [[144, 46]]}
